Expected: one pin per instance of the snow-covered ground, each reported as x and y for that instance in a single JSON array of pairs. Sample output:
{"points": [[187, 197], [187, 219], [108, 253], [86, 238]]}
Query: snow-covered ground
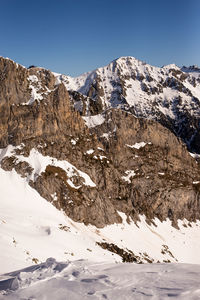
{"points": [[82, 280], [32, 229]]}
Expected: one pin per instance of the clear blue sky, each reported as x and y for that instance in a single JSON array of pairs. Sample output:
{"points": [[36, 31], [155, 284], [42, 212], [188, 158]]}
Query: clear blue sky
{"points": [[75, 36]]}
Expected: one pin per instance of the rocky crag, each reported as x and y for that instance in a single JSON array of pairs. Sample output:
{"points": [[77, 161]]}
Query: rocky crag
{"points": [[91, 154]]}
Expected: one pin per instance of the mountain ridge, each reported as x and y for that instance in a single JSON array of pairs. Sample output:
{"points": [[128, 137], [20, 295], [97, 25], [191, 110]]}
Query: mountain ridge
{"points": [[97, 163], [168, 95]]}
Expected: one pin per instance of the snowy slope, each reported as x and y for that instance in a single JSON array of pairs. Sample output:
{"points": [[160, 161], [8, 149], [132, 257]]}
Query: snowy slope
{"points": [[31, 230], [82, 280]]}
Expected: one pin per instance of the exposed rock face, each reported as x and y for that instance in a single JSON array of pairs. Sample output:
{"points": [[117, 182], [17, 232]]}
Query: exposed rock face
{"points": [[49, 115], [157, 178], [14, 86], [125, 163]]}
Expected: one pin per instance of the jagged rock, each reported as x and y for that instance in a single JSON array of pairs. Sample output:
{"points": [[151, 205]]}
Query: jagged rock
{"points": [[162, 184], [127, 256], [22, 168], [49, 118], [137, 165], [14, 84]]}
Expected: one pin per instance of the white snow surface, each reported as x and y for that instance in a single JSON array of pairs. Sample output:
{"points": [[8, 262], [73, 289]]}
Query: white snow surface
{"points": [[35, 86], [90, 151], [93, 121], [38, 90], [32, 229], [85, 280], [137, 145], [129, 174]]}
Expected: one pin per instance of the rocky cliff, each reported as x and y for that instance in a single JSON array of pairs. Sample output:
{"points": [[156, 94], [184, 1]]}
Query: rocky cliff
{"points": [[89, 159]]}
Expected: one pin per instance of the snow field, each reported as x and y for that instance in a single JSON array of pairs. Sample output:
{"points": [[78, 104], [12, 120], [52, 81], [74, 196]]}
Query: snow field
{"points": [[32, 229], [83, 280]]}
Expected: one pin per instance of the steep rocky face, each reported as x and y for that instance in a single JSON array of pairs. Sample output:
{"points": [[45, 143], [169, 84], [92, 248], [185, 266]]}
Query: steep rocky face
{"points": [[155, 173], [42, 110], [14, 85], [50, 118], [120, 163], [85, 105], [169, 95]]}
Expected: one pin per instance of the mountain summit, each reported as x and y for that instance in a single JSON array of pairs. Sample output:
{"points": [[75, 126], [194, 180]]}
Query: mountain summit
{"points": [[169, 95]]}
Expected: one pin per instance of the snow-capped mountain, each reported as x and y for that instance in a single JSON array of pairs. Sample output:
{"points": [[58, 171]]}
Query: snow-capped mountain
{"points": [[88, 172], [169, 94]]}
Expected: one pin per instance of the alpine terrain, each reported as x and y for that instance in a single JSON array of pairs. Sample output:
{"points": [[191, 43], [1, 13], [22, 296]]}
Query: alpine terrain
{"points": [[103, 167]]}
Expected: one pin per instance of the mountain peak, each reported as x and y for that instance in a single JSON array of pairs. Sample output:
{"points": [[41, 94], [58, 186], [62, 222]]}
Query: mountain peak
{"points": [[129, 59], [171, 66]]}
